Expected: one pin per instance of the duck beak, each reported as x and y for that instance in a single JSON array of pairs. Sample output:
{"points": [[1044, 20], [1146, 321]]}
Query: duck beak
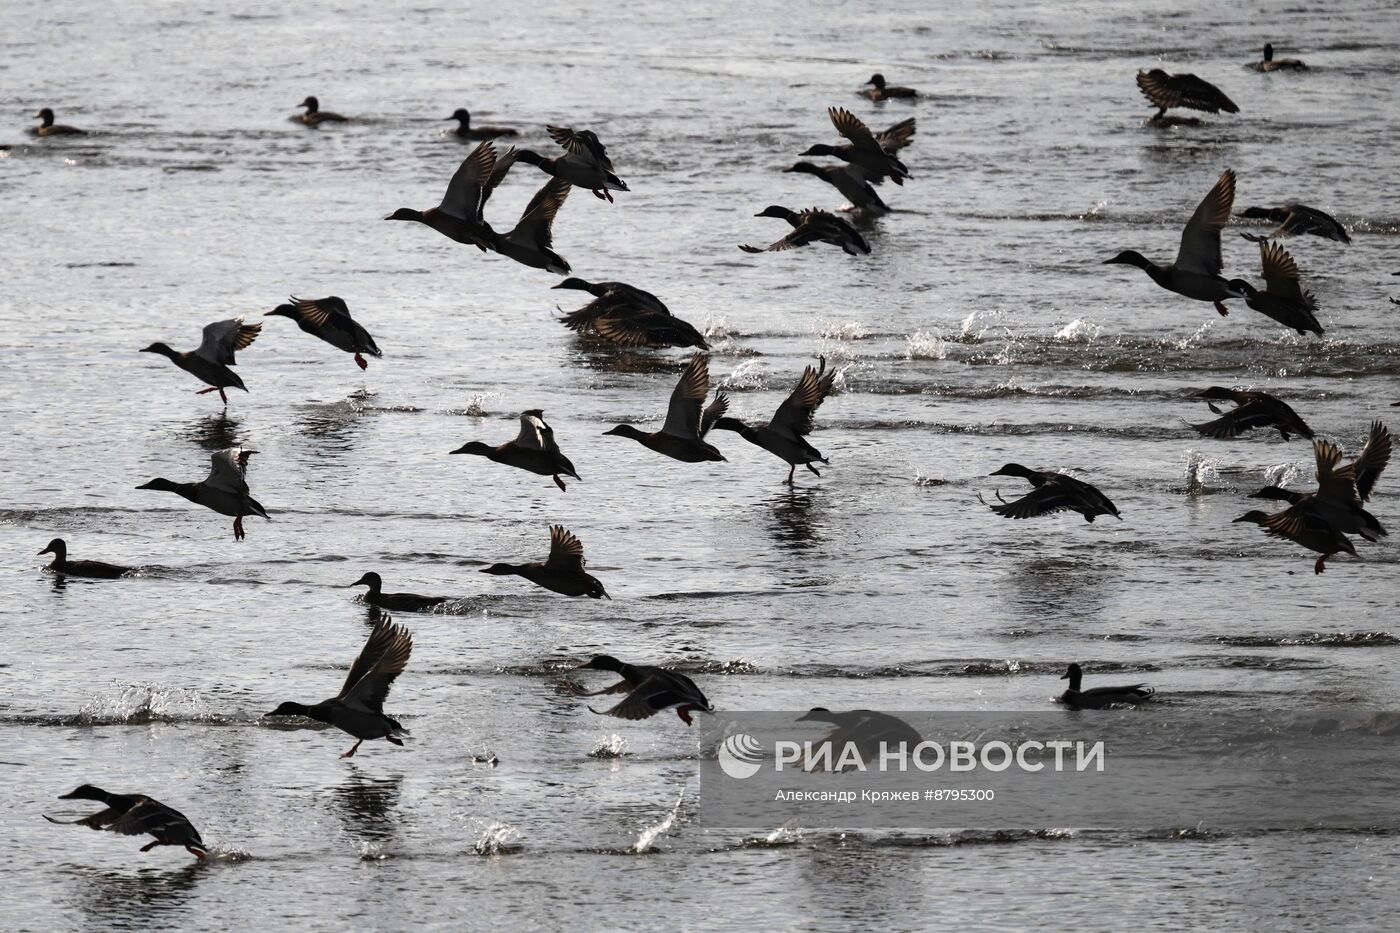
{"points": [[1065, 676], [47, 550]]}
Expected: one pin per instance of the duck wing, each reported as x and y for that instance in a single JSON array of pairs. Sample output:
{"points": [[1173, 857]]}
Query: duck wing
{"points": [[713, 412], [1043, 500], [536, 226], [151, 817], [1280, 272], [583, 144], [1185, 90], [1200, 241], [851, 127], [534, 433], [1334, 481], [1297, 520], [227, 469], [683, 413], [794, 417], [382, 659], [466, 192], [1303, 219], [1235, 422], [224, 338], [897, 137], [503, 163], [652, 695], [1372, 461], [565, 550]]}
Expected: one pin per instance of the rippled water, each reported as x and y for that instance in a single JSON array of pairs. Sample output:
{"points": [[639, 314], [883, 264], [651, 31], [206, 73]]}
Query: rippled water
{"points": [[983, 328]]}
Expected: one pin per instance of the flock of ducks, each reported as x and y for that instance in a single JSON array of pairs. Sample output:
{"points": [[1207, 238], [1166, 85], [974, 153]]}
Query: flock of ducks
{"points": [[628, 316]]}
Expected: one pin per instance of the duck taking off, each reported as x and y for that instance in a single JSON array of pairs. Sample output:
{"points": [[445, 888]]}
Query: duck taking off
{"points": [[1296, 220], [459, 216], [210, 361], [1337, 502], [531, 241], [1196, 271], [1167, 90], [1303, 526], [1252, 410], [47, 127], [811, 226], [225, 490], [314, 115], [1283, 299], [1100, 697], [533, 450], [359, 706], [585, 162], [136, 815], [95, 569], [649, 691], [785, 436], [1366, 469], [561, 572], [874, 158], [682, 437], [1277, 64], [329, 319], [1053, 492]]}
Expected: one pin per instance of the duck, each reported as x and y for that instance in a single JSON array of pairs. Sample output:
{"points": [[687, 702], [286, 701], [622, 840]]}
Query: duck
{"points": [[396, 602], [1303, 526], [1196, 271], [80, 568], [561, 572], [863, 150], [1252, 410], [854, 189], [359, 706], [329, 319], [533, 450], [1283, 299], [617, 293], [882, 91], [1185, 90], [1296, 220], [136, 815], [47, 127], [1366, 469], [628, 326], [682, 437], [465, 130], [1100, 697], [1337, 500], [811, 226], [649, 691], [531, 241], [1054, 492], [210, 361], [224, 490], [785, 435], [1280, 64], [315, 116], [585, 162], [459, 216]]}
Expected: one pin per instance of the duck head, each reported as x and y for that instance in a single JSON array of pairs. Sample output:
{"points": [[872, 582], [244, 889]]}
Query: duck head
{"points": [[878, 80], [283, 311], [57, 547], [45, 115], [602, 662], [575, 283], [1218, 393], [473, 447], [806, 167], [1257, 213], [406, 213], [311, 104], [1014, 469], [461, 116], [86, 792], [529, 156], [290, 709], [1073, 672], [160, 348], [164, 485], [1130, 257], [625, 430], [1239, 288], [1268, 51], [1253, 517], [818, 713], [500, 570], [1277, 493], [820, 149], [371, 580], [775, 210]]}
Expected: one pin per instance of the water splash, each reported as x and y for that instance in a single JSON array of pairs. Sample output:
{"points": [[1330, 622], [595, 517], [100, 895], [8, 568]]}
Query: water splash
{"points": [[1078, 331], [717, 327], [476, 405], [644, 843], [1200, 470], [925, 345], [1282, 474], [924, 481], [145, 703], [851, 330], [498, 839], [744, 377], [1186, 343], [372, 851], [614, 746]]}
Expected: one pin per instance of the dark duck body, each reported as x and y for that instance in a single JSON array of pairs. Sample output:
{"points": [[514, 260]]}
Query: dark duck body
{"points": [[812, 226], [881, 90], [466, 131], [533, 450], [1297, 220], [137, 815], [329, 319], [562, 572], [682, 437], [80, 568], [1053, 492], [1252, 410], [396, 602], [1100, 697], [649, 691], [785, 436]]}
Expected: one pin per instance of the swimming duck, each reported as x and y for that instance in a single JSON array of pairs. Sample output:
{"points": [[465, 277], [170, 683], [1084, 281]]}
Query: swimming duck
{"points": [[1282, 299], [136, 815], [1252, 410], [329, 319], [882, 91], [459, 216], [1167, 90], [1337, 500], [682, 437], [561, 572], [1196, 272], [465, 130], [785, 435], [225, 490], [585, 162], [1281, 64], [1296, 220], [811, 226], [80, 568], [1100, 697], [864, 151], [531, 241], [649, 691], [858, 192], [1366, 468], [1054, 492], [314, 115], [47, 127], [618, 293], [210, 361], [398, 602], [533, 450], [1304, 526], [359, 706]]}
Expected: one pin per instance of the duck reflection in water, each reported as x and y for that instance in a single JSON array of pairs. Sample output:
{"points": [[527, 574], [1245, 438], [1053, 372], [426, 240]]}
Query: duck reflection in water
{"points": [[797, 518], [333, 427], [214, 432], [139, 900], [367, 804]]}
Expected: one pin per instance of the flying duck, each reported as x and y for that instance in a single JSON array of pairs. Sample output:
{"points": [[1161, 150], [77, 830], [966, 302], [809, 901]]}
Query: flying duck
{"points": [[1054, 492], [1252, 410], [314, 115], [1337, 500], [79, 568], [882, 91], [785, 435], [533, 450], [1283, 299], [459, 215], [210, 361], [530, 242], [136, 815], [561, 572], [1366, 468], [1281, 64], [649, 691], [359, 706], [47, 127], [682, 437], [225, 490], [618, 293], [811, 226], [465, 130], [848, 183], [1100, 697], [1166, 91], [627, 316], [1196, 272], [1296, 220], [585, 162], [1305, 526], [329, 319], [398, 602], [868, 154]]}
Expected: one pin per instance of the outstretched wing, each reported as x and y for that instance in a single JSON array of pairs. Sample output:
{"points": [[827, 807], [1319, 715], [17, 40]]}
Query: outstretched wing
{"points": [[1334, 481], [536, 225], [534, 433], [651, 696], [1372, 460], [1185, 90], [1280, 271], [713, 412], [794, 417], [1200, 241], [227, 470], [466, 192], [154, 818], [382, 659], [683, 414], [1039, 501], [223, 338], [583, 144], [898, 136], [851, 127], [565, 550]]}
